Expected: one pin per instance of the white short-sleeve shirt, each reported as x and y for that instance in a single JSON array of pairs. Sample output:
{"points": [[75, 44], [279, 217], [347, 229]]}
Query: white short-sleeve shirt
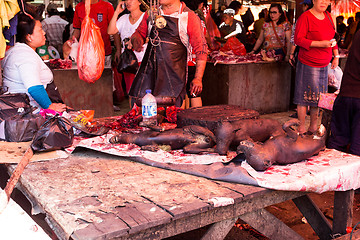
{"points": [[23, 68], [126, 29]]}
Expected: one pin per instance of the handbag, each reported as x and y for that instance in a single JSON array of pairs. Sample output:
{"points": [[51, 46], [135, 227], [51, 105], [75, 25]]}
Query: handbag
{"points": [[128, 62], [12, 104]]}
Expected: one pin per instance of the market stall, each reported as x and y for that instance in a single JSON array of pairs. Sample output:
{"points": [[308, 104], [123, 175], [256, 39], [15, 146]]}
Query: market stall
{"points": [[262, 86], [79, 94]]}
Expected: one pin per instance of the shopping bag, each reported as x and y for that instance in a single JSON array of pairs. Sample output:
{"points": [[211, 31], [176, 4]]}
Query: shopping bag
{"points": [[128, 62], [22, 127], [334, 76], [12, 104], [56, 133], [326, 100], [91, 53]]}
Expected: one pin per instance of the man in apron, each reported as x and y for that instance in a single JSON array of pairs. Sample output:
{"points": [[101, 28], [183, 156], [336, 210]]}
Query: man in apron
{"points": [[174, 33]]}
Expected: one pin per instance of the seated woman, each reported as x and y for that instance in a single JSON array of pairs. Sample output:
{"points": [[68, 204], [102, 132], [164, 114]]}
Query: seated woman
{"points": [[25, 72], [275, 33]]}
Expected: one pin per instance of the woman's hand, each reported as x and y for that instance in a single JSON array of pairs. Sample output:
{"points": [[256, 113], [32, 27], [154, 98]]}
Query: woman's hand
{"points": [[335, 63], [322, 44], [120, 8], [67, 47], [292, 60], [59, 107]]}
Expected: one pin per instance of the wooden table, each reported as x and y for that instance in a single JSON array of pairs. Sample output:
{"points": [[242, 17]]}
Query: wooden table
{"points": [[92, 195]]}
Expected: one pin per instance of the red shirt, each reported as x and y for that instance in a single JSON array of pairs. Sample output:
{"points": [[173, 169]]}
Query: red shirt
{"points": [[308, 29], [101, 13]]}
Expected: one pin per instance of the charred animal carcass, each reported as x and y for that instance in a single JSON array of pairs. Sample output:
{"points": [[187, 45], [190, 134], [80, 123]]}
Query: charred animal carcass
{"points": [[290, 148], [192, 139], [230, 134]]}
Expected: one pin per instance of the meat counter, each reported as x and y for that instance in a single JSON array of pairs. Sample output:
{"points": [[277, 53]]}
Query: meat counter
{"points": [[79, 94], [261, 86]]}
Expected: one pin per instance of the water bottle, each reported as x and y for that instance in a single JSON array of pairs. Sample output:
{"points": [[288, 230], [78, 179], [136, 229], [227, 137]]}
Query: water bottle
{"points": [[149, 109]]}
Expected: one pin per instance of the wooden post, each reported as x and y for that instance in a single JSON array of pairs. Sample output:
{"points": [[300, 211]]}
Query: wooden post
{"points": [[314, 216], [343, 211]]}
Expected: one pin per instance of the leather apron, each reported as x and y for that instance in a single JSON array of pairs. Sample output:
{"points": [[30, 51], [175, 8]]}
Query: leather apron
{"points": [[164, 66]]}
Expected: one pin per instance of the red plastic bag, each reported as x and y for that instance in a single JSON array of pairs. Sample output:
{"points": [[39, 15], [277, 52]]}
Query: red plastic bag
{"points": [[213, 32], [91, 53], [235, 45]]}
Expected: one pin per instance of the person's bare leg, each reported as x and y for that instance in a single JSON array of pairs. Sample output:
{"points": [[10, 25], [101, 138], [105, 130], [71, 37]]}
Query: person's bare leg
{"points": [[301, 111], [187, 102], [314, 116], [196, 102]]}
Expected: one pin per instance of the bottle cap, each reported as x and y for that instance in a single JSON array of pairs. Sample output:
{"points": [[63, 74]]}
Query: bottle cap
{"points": [[148, 91]]}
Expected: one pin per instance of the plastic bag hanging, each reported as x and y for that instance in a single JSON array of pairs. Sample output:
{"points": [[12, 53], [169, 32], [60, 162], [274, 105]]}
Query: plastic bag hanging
{"points": [[91, 53]]}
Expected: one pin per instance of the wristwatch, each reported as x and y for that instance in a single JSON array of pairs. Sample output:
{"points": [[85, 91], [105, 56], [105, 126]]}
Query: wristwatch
{"points": [[337, 56]]}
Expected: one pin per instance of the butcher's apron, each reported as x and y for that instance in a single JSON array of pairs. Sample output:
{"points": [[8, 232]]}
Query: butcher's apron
{"points": [[53, 93], [164, 66]]}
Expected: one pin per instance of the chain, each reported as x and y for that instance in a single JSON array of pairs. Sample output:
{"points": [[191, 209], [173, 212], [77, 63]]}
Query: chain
{"points": [[154, 12]]}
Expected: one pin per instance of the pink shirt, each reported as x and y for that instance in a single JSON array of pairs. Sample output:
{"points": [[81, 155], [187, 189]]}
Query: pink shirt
{"points": [[308, 29]]}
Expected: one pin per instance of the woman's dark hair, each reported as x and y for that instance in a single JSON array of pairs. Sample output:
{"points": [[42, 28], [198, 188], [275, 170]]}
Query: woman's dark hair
{"points": [[262, 14], [25, 26], [310, 5], [282, 16], [236, 6]]}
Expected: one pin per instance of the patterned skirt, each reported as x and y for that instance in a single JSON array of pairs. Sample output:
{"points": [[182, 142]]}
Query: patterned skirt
{"points": [[309, 83]]}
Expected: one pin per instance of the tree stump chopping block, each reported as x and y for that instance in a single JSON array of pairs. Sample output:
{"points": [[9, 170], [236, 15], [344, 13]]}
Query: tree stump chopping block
{"points": [[211, 116]]}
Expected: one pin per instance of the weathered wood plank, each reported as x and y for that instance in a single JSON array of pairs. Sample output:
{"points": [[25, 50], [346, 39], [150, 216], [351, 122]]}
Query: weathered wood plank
{"points": [[219, 230], [269, 225], [110, 226], [343, 211], [314, 216], [246, 190], [213, 215], [143, 215]]}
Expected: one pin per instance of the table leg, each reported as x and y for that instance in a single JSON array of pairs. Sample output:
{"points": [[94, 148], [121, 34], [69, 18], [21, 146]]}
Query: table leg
{"points": [[314, 216], [269, 225], [219, 230], [343, 211]]}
